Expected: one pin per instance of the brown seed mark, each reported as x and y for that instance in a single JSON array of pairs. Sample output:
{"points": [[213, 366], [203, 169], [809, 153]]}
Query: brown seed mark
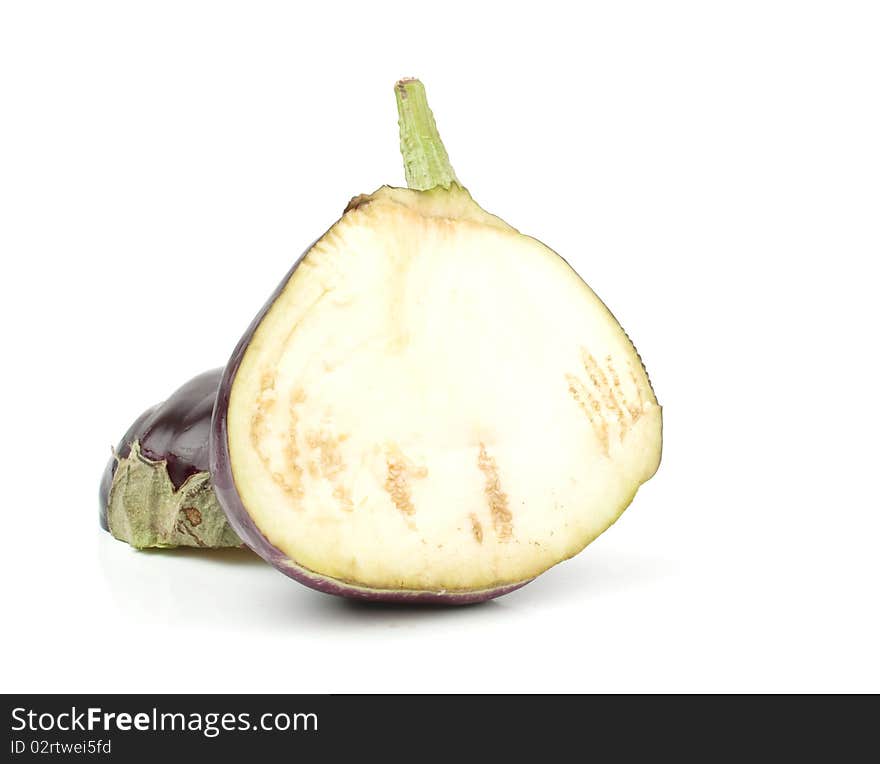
{"points": [[193, 516], [632, 376], [329, 460], [600, 382], [327, 463], [476, 528], [603, 394], [502, 518], [399, 472], [633, 410], [291, 484], [590, 406], [342, 495], [266, 402]]}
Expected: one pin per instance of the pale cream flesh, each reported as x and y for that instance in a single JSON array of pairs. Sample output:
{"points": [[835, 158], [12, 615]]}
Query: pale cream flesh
{"points": [[437, 402]]}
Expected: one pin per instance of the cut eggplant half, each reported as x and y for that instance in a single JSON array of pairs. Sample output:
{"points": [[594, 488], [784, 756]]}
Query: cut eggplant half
{"points": [[432, 406], [156, 490]]}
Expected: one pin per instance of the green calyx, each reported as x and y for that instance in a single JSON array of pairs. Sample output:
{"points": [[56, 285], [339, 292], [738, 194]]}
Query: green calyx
{"points": [[425, 160], [145, 510]]}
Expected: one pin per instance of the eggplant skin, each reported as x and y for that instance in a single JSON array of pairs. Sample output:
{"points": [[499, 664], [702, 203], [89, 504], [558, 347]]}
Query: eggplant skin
{"points": [[242, 523], [175, 431]]}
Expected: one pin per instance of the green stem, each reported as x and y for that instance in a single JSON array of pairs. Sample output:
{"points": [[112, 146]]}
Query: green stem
{"points": [[424, 159]]}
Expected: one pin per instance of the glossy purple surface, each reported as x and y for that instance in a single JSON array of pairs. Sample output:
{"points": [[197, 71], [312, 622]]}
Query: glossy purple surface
{"points": [[175, 431], [244, 526]]}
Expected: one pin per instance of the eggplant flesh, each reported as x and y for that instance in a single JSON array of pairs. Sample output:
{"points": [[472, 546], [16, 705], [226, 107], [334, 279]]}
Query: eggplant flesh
{"points": [[156, 490], [431, 407]]}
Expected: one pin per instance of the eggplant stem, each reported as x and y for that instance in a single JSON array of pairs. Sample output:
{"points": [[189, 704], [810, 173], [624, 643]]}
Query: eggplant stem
{"points": [[425, 160]]}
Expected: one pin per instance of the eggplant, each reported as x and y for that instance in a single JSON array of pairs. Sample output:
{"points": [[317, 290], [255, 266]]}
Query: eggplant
{"points": [[431, 406], [156, 490]]}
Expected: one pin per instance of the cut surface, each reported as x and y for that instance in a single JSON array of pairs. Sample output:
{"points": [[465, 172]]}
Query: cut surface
{"points": [[436, 402]]}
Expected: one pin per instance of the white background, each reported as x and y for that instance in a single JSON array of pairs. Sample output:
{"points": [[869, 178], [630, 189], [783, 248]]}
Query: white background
{"points": [[711, 169]]}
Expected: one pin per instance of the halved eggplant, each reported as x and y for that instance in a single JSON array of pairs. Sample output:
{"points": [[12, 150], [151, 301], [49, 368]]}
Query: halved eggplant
{"points": [[431, 406], [156, 490]]}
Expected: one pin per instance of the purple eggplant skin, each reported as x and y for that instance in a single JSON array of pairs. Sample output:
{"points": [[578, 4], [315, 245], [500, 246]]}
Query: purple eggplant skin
{"points": [[175, 431], [244, 526]]}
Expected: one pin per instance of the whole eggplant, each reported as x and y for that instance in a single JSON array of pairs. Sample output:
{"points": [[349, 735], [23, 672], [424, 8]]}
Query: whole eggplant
{"points": [[156, 490]]}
